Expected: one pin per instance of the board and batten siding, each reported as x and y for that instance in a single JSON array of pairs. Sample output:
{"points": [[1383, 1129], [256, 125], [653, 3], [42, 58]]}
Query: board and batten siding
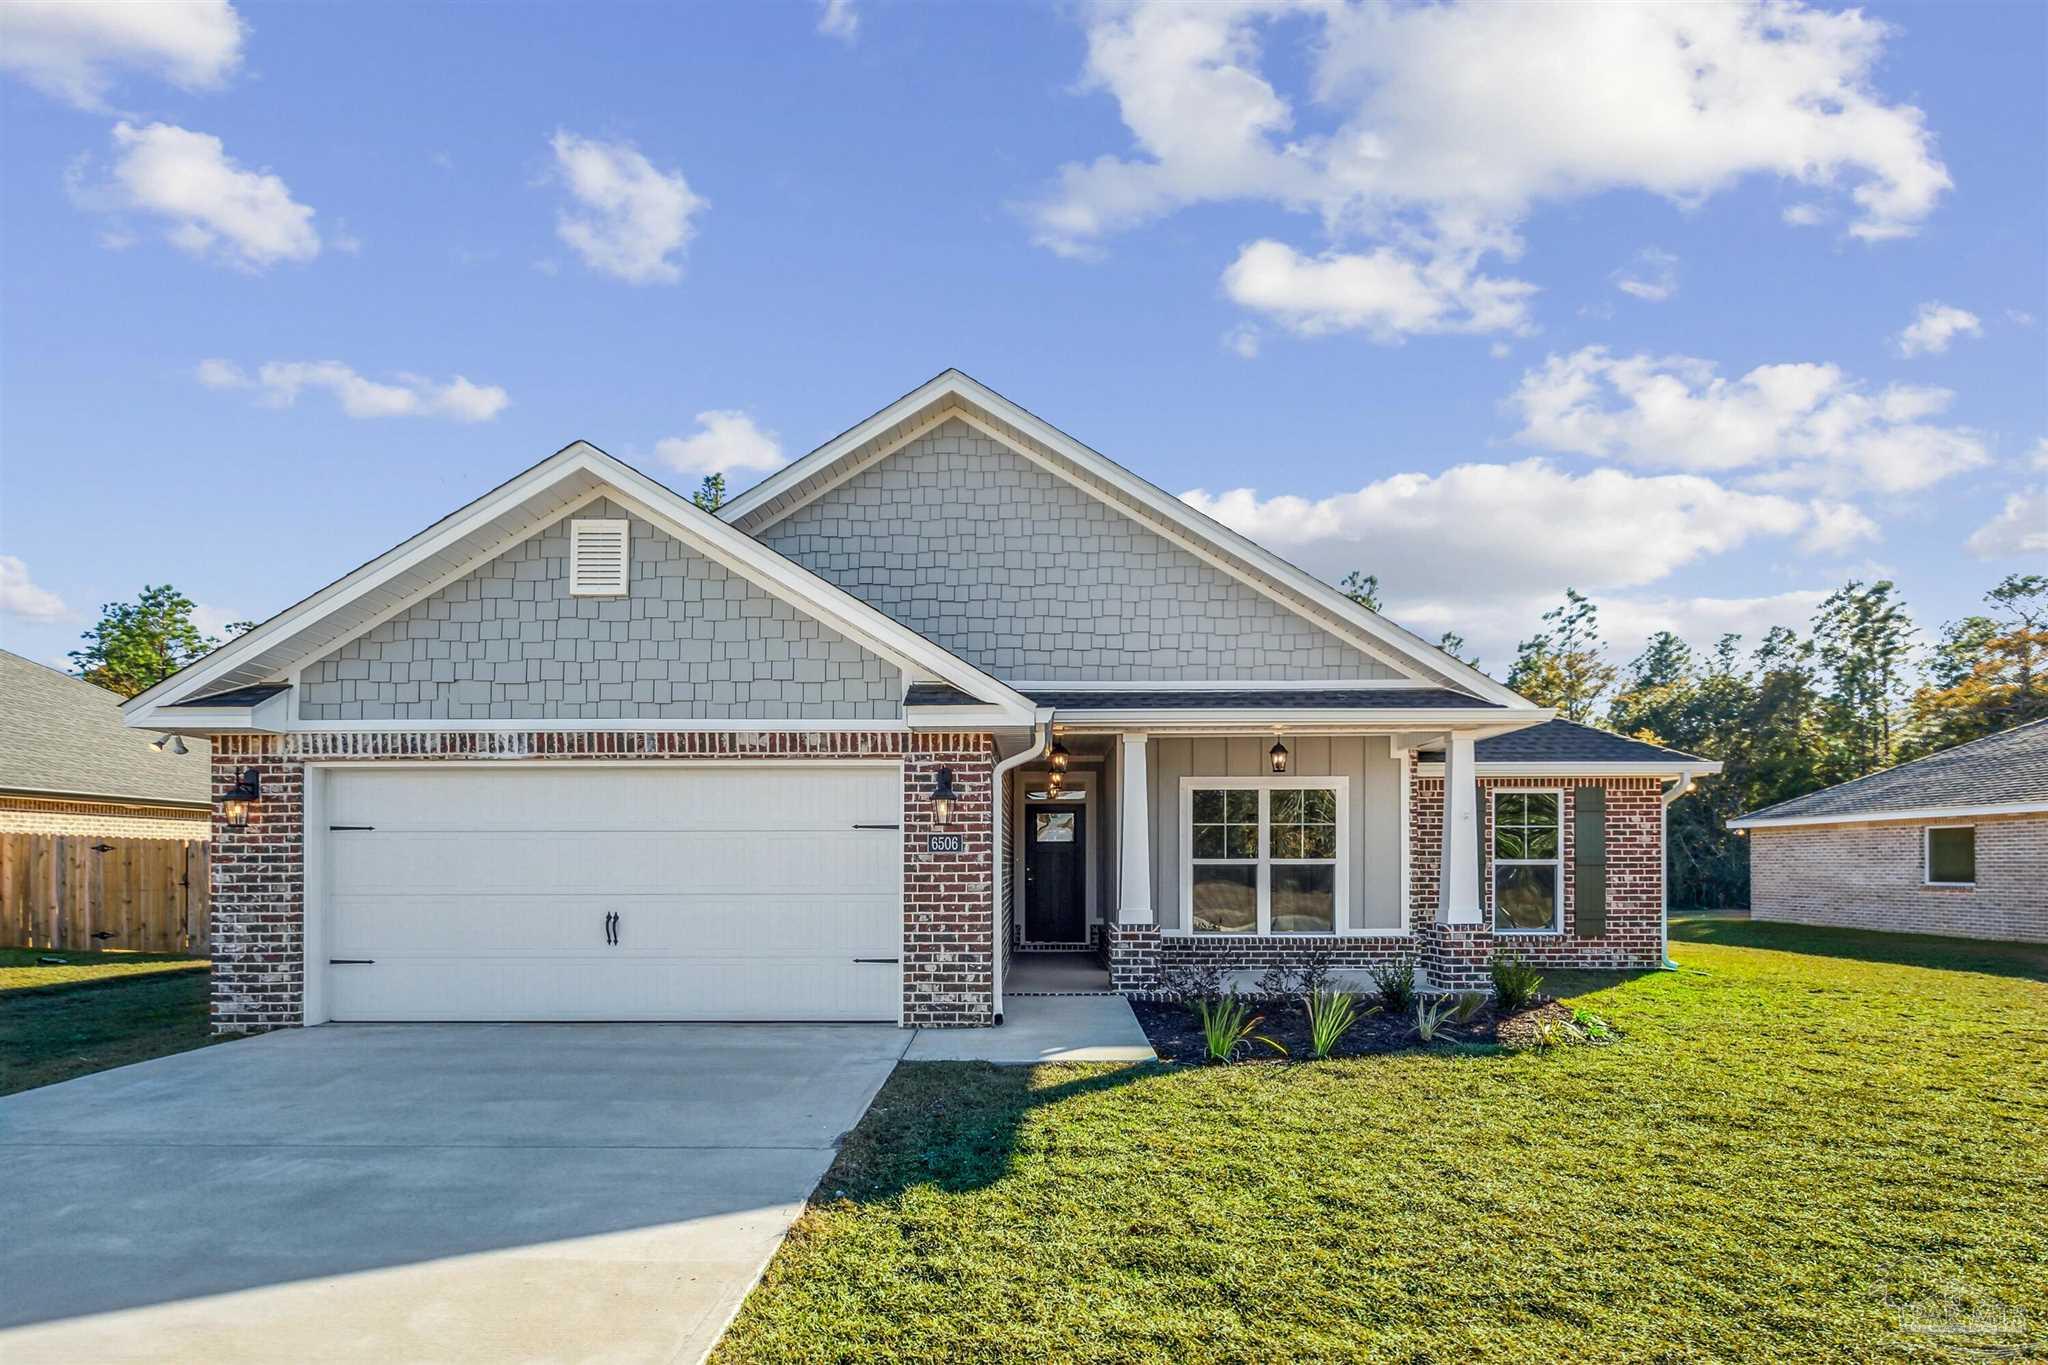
{"points": [[1024, 575], [690, 640], [1373, 899]]}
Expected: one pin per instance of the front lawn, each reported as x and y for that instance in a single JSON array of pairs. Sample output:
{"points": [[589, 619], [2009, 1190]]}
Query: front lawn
{"points": [[95, 1011], [1810, 1145]]}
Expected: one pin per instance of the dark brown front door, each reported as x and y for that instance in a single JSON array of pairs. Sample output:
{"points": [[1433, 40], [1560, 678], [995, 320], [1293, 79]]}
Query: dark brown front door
{"points": [[1055, 862]]}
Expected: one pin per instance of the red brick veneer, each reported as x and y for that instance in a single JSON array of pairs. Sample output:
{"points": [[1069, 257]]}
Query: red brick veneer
{"points": [[259, 873]]}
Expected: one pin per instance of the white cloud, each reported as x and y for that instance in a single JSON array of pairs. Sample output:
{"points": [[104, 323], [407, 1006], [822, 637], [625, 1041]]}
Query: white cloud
{"points": [[839, 19], [1785, 426], [1243, 342], [19, 596], [213, 622], [1651, 276], [1935, 326], [2020, 528], [214, 208], [1835, 526], [1476, 528], [407, 395], [725, 442], [2041, 453], [1434, 130], [631, 217], [1381, 292], [75, 49], [1804, 215]]}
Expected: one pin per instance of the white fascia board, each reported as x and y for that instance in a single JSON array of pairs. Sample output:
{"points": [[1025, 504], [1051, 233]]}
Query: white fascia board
{"points": [[1561, 769], [944, 718], [1251, 685], [1873, 817], [271, 716], [1411, 648], [1485, 722]]}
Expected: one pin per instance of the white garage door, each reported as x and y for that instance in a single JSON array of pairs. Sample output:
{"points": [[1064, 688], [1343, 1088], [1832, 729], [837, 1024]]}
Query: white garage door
{"points": [[656, 891]]}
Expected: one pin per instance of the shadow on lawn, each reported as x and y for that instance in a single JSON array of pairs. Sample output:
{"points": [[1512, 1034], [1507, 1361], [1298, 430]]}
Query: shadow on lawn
{"points": [[1738, 930]]}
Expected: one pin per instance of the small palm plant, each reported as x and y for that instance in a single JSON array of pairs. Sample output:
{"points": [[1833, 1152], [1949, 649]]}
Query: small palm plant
{"points": [[1227, 1025], [1430, 1013], [1330, 1016]]}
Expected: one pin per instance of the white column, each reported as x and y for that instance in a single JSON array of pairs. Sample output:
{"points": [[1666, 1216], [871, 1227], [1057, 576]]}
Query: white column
{"points": [[1134, 835], [1458, 880]]}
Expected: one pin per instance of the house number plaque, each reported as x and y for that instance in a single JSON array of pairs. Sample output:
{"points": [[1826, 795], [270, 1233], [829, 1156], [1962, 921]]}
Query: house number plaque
{"points": [[942, 843]]}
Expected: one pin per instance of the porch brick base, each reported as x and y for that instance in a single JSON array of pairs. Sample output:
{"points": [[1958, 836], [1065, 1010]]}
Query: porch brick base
{"points": [[1134, 958]]}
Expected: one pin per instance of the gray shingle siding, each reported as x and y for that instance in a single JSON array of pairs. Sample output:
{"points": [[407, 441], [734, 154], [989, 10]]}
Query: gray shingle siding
{"points": [[1022, 574], [689, 641]]}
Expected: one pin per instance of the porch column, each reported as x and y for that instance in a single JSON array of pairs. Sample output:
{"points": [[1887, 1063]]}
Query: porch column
{"points": [[1134, 836], [1458, 900]]}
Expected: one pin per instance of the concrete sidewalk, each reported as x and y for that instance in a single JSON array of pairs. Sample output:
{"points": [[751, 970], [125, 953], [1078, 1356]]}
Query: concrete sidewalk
{"points": [[1043, 1028]]}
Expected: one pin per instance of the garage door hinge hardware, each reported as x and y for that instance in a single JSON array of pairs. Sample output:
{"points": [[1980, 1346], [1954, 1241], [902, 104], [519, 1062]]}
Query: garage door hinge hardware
{"points": [[886, 961], [878, 827], [332, 827], [350, 961]]}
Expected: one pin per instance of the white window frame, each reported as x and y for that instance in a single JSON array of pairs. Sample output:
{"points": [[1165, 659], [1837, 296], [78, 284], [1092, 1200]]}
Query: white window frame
{"points": [[1493, 860], [1265, 786], [1927, 856]]}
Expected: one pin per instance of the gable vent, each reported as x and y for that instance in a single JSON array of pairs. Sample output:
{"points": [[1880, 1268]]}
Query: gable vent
{"points": [[597, 558]]}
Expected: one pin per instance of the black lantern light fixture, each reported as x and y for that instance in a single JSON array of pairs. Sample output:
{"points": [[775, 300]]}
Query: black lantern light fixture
{"points": [[1059, 757], [235, 802], [942, 797], [1278, 755]]}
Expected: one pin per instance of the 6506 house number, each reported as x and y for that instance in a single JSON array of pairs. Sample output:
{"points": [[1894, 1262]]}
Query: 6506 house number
{"points": [[942, 843]]}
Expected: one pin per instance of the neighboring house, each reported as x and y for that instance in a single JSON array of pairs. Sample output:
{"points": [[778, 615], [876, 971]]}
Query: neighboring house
{"points": [[1954, 843], [950, 687], [69, 766]]}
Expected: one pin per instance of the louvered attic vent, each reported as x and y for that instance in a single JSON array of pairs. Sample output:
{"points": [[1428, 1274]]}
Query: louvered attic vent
{"points": [[597, 558]]}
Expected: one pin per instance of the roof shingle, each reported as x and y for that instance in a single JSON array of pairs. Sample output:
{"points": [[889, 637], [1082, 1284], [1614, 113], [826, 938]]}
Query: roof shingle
{"points": [[63, 736], [2008, 768]]}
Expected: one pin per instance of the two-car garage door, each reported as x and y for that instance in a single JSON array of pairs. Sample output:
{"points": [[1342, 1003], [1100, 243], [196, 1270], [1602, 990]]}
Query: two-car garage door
{"points": [[602, 891]]}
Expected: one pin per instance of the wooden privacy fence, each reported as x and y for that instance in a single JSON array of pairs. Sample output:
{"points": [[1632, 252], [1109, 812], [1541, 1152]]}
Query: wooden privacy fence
{"points": [[71, 892]]}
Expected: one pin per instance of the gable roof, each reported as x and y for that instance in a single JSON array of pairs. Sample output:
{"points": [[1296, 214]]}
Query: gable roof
{"points": [[523, 505], [953, 394], [2007, 770], [62, 736]]}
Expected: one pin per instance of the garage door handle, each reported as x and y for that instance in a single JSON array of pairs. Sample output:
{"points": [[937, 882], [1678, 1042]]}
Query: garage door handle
{"points": [[885, 960], [878, 827], [350, 961], [333, 827], [611, 928]]}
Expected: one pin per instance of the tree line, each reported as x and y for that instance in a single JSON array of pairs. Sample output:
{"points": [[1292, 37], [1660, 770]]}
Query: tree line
{"points": [[1856, 692]]}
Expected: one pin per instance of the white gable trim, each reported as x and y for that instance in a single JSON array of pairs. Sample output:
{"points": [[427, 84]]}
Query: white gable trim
{"points": [[1169, 516], [1875, 817], [917, 657]]}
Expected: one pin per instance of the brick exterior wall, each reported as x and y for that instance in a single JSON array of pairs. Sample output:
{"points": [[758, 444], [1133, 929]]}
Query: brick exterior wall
{"points": [[258, 943], [1871, 876], [39, 815]]}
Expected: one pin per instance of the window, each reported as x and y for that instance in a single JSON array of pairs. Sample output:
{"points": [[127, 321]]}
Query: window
{"points": [[1264, 856], [1528, 861], [1055, 828], [1952, 855]]}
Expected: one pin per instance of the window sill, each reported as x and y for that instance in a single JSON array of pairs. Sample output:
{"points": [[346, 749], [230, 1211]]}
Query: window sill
{"points": [[1552, 932], [1289, 938], [1950, 886]]}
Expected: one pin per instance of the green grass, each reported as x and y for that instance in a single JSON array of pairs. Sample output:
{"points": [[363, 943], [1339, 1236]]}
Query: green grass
{"points": [[1801, 1134], [98, 1011]]}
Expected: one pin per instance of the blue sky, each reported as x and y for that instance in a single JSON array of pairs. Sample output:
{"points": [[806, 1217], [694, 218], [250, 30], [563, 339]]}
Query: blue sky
{"points": [[1699, 311]]}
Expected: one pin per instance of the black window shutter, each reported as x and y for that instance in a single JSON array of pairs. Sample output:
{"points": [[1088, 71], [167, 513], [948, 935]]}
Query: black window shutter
{"points": [[1589, 860]]}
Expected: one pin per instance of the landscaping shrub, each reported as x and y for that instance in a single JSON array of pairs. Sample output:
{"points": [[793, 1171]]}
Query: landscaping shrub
{"points": [[1515, 982], [1395, 984]]}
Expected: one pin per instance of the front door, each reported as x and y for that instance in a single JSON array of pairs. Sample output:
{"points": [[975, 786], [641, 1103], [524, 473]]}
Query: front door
{"points": [[1055, 863]]}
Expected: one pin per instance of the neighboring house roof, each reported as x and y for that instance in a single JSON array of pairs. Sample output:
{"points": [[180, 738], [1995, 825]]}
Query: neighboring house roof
{"points": [[1277, 699], [953, 394], [252, 664], [2007, 771], [1565, 741], [62, 736]]}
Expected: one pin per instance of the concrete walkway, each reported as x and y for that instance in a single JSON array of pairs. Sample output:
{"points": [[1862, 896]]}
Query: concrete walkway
{"points": [[1043, 1028], [443, 1192]]}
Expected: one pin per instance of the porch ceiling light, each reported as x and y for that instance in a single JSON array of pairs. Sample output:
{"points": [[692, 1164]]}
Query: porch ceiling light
{"points": [[942, 796], [1278, 754], [1059, 757], [236, 801]]}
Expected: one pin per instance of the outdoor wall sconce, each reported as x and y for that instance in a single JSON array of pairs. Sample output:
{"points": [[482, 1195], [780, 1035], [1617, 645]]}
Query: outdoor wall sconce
{"points": [[235, 803], [177, 743], [942, 796], [1059, 757], [1278, 754]]}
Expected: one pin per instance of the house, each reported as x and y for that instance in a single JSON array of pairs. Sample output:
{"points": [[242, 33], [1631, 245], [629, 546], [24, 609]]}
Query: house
{"points": [[949, 689], [1954, 843], [68, 765]]}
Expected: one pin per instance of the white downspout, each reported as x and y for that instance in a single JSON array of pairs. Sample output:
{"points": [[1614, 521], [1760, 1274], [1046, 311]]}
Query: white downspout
{"points": [[1678, 789], [999, 811]]}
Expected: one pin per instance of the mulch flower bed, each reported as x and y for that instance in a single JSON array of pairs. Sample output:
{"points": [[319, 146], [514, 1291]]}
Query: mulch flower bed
{"points": [[1176, 1035]]}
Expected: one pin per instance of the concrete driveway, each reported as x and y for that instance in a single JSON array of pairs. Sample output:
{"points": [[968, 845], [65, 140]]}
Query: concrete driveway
{"points": [[432, 1192]]}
